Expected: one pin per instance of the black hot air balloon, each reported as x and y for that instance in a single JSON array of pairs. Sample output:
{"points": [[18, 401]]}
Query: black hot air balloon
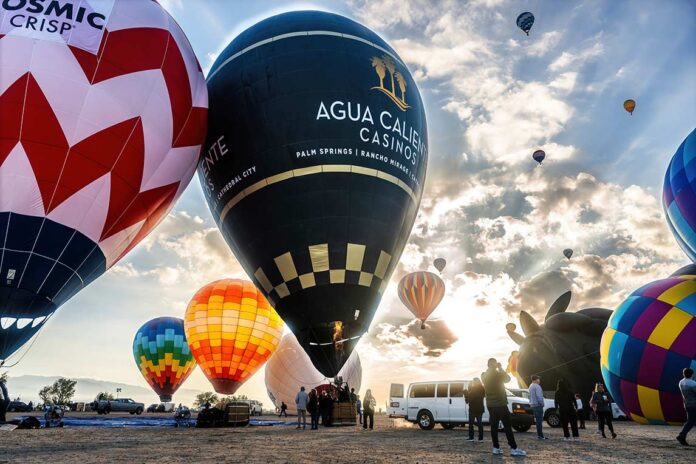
{"points": [[525, 21], [568, 253], [313, 170], [539, 156]]}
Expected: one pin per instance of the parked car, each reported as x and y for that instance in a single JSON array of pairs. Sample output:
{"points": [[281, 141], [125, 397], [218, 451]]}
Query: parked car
{"points": [[118, 405], [255, 407], [18, 406], [442, 402], [551, 415], [153, 408]]}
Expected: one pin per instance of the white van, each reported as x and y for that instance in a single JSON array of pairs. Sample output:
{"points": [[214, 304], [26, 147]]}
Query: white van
{"points": [[442, 402]]}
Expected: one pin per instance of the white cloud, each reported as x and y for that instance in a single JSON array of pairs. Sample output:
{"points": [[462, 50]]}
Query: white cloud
{"points": [[570, 59]]}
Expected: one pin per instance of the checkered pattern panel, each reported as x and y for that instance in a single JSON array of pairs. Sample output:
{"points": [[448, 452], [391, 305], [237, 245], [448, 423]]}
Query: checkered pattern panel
{"points": [[353, 263], [650, 338], [232, 330]]}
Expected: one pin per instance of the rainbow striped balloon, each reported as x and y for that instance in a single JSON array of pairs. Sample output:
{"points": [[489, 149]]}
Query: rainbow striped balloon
{"points": [[421, 292], [163, 355], [650, 338], [679, 195]]}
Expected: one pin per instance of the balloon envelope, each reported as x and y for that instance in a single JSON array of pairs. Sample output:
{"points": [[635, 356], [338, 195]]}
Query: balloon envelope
{"points": [[421, 292], [232, 330], [100, 133], [647, 344], [629, 105], [539, 156], [313, 170], [568, 253], [525, 21], [440, 264], [679, 197], [290, 368], [163, 355]]}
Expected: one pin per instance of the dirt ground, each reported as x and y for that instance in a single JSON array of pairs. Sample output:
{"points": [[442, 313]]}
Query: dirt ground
{"points": [[393, 440]]}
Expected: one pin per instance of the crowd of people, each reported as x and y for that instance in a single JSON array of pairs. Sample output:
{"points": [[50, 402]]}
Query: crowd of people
{"points": [[320, 406]]}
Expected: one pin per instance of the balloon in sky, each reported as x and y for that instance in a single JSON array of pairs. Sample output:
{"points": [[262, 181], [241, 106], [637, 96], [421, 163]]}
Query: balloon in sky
{"points": [[568, 253], [290, 368], [440, 264], [421, 292], [679, 195], [313, 170], [629, 105], [232, 330], [651, 337], [163, 355], [539, 156], [525, 21], [103, 114]]}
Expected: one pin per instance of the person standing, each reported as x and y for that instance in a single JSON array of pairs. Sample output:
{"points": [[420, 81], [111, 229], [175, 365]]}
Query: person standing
{"points": [[474, 397], [536, 401], [325, 405], [687, 386], [301, 400], [566, 407], [601, 403], [358, 408], [4, 402], [494, 380], [369, 409], [313, 409], [580, 409], [283, 409]]}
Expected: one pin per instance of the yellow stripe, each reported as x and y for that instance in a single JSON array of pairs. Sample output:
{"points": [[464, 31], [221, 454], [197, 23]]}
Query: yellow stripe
{"points": [[326, 168], [604, 345], [649, 399], [669, 328]]}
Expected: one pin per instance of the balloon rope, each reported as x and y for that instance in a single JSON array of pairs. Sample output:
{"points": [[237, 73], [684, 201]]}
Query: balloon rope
{"points": [[36, 336], [569, 362]]}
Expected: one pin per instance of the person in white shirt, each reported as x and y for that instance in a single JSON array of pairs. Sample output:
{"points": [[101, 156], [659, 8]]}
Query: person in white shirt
{"points": [[581, 410], [687, 386], [536, 401], [301, 400]]}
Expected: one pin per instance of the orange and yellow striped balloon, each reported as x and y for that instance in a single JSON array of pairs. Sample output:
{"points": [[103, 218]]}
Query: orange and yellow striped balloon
{"points": [[232, 330], [421, 292]]}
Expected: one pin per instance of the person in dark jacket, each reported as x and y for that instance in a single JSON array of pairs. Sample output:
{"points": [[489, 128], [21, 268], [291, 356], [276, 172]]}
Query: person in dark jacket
{"points": [[566, 407], [283, 409], [325, 405], [313, 409], [474, 395], [601, 403], [4, 402], [494, 380]]}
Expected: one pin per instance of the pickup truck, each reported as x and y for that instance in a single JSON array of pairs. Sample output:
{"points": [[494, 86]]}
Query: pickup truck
{"points": [[118, 405]]}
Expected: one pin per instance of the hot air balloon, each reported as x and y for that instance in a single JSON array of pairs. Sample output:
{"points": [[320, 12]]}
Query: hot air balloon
{"points": [[163, 355], [313, 170], [568, 253], [525, 21], [539, 156], [629, 105], [421, 292], [290, 368], [679, 197], [232, 330], [102, 125], [440, 264]]}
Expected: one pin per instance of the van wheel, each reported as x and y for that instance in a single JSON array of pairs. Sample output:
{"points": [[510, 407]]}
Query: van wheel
{"points": [[447, 426], [553, 419], [426, 420]]}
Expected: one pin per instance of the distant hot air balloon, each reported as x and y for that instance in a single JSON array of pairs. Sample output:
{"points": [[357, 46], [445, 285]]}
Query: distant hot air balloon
{"points": [[101, 125], [232, 330], [629, 105], [440, 264], [163, 355], [421, 292], [525, 21], [290, 368], [539, 156], [315, 189], [568, 253]]}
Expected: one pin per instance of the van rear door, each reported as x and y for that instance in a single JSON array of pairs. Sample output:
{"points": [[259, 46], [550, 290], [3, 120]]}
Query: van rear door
{"points": [[397, 401]]}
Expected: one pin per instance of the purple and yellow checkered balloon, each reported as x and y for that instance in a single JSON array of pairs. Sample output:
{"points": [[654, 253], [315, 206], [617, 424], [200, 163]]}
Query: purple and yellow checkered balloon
{"points": [[650, 339], [679, 195]]}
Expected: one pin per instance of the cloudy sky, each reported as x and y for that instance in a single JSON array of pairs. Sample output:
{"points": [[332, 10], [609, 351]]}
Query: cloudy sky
{"points": [[493, 96]]}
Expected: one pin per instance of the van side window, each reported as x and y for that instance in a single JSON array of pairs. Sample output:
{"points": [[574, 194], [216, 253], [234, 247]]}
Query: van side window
{"points": [[396, 391], [426, 390], [456, 390], [442, 390]]}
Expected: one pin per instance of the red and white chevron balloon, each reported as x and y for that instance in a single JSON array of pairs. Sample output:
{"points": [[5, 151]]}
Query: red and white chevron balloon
{"points": [[103, 110]]}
